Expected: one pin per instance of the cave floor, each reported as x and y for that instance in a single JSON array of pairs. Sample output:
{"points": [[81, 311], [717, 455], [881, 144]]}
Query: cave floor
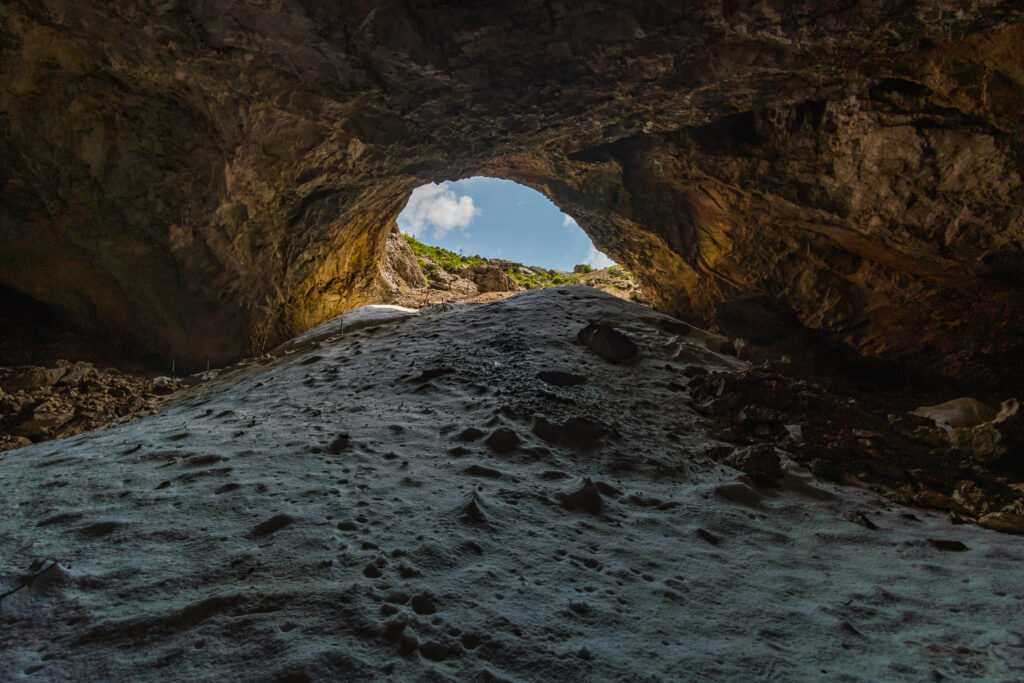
{"points": [[332, 518]]}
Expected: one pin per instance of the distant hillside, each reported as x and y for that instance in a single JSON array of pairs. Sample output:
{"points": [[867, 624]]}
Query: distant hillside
{"points": [[431, 274]]}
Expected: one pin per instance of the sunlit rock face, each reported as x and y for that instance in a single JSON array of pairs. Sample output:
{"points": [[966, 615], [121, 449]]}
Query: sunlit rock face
{"points": [[211, 177]]}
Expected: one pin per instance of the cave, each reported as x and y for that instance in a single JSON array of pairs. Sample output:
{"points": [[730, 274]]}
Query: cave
{"points": [[223, 177], [821, 202]]}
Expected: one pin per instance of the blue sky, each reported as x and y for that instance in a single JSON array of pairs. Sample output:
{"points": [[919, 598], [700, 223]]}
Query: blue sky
{"points": [[498, 219]]}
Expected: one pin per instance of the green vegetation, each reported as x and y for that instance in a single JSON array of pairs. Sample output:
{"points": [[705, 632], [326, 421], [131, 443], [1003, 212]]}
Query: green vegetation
{"points": [[530, 278], [539, 279], [449, 260]]}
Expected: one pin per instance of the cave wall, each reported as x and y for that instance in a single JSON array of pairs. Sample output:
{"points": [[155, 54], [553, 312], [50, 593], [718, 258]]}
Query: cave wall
{"points": [[871, 217], [212, 176]]}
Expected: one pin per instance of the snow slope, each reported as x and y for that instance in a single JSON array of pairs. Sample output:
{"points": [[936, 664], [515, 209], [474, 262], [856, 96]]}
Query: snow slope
{"points": [[323, 520]]}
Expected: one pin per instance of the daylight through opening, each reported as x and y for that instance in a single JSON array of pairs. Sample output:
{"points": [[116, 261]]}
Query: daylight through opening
{"points": [[473, 228], [498, 218]]}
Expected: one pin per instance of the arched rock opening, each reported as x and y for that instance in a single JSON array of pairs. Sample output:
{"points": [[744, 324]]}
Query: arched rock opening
{"points": [[211, 177]]}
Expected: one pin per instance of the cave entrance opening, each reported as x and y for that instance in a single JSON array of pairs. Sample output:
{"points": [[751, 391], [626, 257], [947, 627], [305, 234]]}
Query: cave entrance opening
{"points": [[455, 225]]}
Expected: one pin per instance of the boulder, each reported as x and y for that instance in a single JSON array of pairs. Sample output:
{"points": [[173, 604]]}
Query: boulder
{"points": [[761, 463], [1004, 521], [607, 342], [990, 440], [77, 372], [490, 278], [960, 412], [45, 419], [29, 378]]}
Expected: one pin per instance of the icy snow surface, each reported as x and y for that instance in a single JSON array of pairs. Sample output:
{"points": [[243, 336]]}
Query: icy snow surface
{"points": [[356, 319], [314, 522]]}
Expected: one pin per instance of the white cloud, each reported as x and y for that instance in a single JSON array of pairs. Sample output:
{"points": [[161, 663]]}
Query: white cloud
{"points": [[596, 259], [438, 208], [568, 221]]}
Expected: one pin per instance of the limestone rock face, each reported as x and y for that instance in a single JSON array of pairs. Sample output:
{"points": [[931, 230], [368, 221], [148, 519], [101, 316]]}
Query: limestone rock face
{"points": [[491, 279], [213, 176], [401, 268]]}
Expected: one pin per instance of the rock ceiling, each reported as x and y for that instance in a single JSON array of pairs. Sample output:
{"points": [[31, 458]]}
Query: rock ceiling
{"points": [[210, 177]]}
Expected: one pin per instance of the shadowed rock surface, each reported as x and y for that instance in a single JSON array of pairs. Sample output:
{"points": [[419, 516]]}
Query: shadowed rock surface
{"points": [[309, 521], [213, 177]]}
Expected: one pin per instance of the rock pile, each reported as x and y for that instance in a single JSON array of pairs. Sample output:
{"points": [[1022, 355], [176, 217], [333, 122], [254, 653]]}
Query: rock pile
{"points": [[974, 472], [39, 403]]}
